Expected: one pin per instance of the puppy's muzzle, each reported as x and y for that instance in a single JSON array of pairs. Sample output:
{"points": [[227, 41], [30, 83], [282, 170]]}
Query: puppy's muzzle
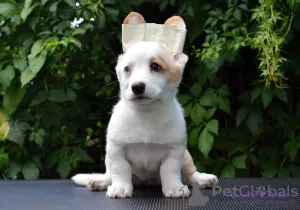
{"points": [[138, 88]]}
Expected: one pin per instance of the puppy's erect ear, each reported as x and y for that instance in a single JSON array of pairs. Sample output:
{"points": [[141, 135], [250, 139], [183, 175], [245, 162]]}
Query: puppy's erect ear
{"points": [[176, 20], [134, 18], [180, 59]]}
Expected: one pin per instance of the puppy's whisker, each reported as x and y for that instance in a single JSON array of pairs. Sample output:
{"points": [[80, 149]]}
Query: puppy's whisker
{"points": [[112, 97], [113, 60], [108, 84], [185, 85], [111, 72]]}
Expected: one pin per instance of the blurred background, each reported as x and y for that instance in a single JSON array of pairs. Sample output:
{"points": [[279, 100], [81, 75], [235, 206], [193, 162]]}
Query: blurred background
{"points": [[240, 88]]}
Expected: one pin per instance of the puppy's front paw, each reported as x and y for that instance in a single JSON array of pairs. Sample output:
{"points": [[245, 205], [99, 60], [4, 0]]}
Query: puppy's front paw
{"points": [[204, 180], [182, 191], [119, 191]]}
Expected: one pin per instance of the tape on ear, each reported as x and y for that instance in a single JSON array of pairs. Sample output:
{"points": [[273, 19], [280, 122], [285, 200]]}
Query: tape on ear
{"points": [[171, 36]]}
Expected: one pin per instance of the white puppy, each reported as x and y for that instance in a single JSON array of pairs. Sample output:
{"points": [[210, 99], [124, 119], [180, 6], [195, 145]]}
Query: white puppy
{"points": [[146, 136]]}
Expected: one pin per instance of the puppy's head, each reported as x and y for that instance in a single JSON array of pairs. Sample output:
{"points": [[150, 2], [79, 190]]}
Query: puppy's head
{"points": [[147, 72]]}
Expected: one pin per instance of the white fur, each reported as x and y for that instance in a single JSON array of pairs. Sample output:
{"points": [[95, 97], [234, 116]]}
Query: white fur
{"points": [[145, 138]]}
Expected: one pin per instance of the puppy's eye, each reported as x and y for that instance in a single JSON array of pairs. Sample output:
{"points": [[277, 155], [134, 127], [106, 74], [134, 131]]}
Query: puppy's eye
{"points": [[155, 67], [127, 69]]}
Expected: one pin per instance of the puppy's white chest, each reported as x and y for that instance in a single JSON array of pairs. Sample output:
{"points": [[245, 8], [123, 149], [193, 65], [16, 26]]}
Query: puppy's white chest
{"points": [[145, 159], [160, 126]]}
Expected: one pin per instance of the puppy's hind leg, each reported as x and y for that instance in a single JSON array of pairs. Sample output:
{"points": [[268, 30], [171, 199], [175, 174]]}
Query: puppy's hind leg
{"points": [[191, 175], [95, 182]]}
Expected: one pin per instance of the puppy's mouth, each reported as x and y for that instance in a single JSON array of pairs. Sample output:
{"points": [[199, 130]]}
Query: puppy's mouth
{"points": [[140, 98]]}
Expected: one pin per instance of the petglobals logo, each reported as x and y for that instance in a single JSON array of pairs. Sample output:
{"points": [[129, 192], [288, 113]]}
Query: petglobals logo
{"points": [[255, 192]]}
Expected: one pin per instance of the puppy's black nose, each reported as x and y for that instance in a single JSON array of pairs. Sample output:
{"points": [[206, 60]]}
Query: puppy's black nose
{"points": [[138, 87]]}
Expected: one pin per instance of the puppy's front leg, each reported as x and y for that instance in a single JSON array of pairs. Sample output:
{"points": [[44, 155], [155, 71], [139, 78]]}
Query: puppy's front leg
{"points": [[121, 173], [170, 173]]}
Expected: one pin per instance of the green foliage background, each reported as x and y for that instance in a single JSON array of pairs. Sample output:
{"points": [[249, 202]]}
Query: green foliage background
{"points": [[240, 88]]}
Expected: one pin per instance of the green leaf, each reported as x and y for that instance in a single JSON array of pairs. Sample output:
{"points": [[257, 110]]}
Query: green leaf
{"points": [[254, 121], [74, 41], [30, 170], [241, 115], [27, 76], [256, 92], [193, 137], [58, 95], [227, 171], [196, 90], [20, 64], [298, 141], [7, 9], [284, 172], [37, 47], [101, 20], [39, 98], [195, 20], [111, 2], [53, 6], [291, 149], [243, 7], [135, 2], [51, 159], [294, 169], [239, 162], [35, 65], [82, 155], [266, 97], [12, 98], [223, 90], [33, 20], [6, 76], [13, 169], [224, 104], [113, 13], [27, 10], [71, 94], [37, 62], [163, 5], [172, 2], [213, 126], [205, 142], [64, 167], [4, 127], [209, 113], [39, 136], [71, 3], [183, 99], [237, 14], [270, 171], [188, 109], [78, 31], [281, 94], [28, 3], [205, 100], [3, 159], [198, 113], [17, 132], [43, 2]]}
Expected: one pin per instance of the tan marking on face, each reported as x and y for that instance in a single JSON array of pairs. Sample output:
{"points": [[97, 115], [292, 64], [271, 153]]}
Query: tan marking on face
{"points": [[170, 70], [134, 18], [160, 63]]}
